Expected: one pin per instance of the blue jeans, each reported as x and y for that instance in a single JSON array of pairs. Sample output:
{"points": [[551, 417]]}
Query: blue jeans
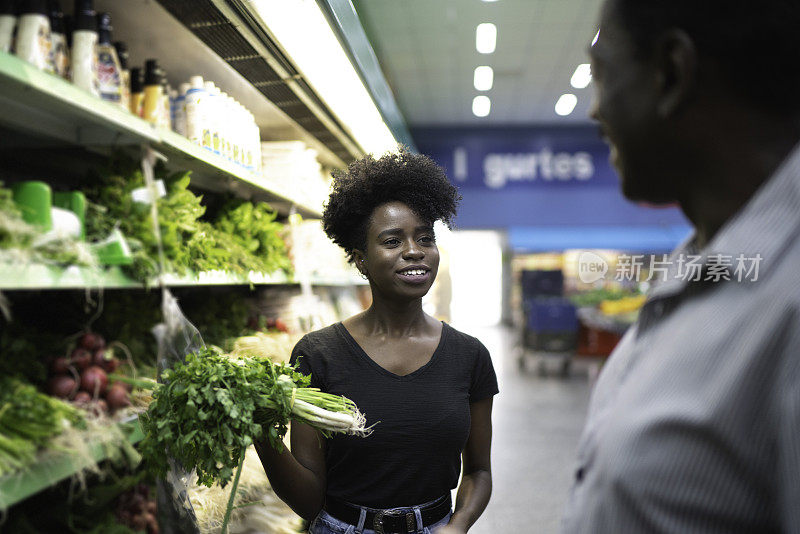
{"points": [[327, 524]]}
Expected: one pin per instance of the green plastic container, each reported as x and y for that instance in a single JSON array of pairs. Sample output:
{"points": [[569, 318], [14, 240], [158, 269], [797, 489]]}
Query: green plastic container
{"points": [[74, 201], [34, 200]]}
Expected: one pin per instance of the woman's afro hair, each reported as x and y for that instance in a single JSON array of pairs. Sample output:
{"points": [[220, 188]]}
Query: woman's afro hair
{"points": [[413, 179]]}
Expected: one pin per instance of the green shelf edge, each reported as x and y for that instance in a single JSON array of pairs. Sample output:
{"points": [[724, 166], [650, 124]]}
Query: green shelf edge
{"points": [[39, 91], [40, 277], [44, 474]]}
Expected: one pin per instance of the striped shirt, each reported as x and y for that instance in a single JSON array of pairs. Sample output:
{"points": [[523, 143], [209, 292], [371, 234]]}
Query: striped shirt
{"points": [[694, 424]]}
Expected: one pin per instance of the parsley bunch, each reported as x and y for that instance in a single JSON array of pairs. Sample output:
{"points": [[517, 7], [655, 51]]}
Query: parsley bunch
{"points": [[210, 408]]}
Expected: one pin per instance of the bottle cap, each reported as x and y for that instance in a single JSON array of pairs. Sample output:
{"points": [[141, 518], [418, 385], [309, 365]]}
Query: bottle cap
{"points": [[209, 86], [85, 16], [196, 82], [122, 54], [56, 17], [34, 7], [104, 28], [183, 88], [136, 80], [7, 7], [152, 73]]}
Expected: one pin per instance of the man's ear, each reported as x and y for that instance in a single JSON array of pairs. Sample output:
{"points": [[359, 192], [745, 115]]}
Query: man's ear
{"points": [[675, 55]]}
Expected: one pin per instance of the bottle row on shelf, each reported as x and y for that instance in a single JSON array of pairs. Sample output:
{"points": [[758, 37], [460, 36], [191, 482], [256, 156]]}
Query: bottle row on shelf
{"points": [[82, 50]]}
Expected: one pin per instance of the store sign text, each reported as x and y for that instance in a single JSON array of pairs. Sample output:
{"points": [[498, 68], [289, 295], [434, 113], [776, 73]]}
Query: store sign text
{"points": [[544, 166]]}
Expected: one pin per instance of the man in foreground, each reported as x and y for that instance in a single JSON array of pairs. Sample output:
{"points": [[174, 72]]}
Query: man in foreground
{"points": [[694, 424]]}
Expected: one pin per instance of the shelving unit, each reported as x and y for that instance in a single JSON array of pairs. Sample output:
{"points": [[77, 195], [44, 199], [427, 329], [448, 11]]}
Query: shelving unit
{"points": [[53, 110], [41, 111], [52, 469]]}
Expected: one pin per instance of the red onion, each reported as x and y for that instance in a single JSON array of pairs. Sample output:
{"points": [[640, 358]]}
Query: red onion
{"points": [[62, 387], [81, 358], [117, 397], [91, 341], [94, 380]]}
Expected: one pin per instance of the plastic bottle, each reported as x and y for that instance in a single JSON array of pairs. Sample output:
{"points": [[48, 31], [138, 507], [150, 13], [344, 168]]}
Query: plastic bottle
{"points": [[196, 102], [210, 126], [153, 92], [227, 122], [165, 118], [58, 39], [125, 74], [33, 34], [137, 92], [84, 47], [179, 109], [8, 21], [109, 71]]}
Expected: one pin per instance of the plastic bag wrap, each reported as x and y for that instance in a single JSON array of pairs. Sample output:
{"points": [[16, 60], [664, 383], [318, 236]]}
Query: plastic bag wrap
{"points": [[176, 338]]}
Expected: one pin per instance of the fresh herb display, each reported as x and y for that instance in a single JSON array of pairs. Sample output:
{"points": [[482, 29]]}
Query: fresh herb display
{"points": [[254, 228], [245, 237], [21, 242], [212, 407], [28, 420]]}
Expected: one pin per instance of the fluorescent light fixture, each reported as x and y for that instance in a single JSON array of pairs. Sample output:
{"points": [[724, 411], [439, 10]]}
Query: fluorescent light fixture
{"points": [[304, 33], [596, 37], [481, 106], [486, 38], [566, 104], [582, 76], [484, 78]]}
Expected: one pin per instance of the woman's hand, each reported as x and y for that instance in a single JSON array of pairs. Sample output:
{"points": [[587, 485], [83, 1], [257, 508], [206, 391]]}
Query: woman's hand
{"points": [[450, 529]]}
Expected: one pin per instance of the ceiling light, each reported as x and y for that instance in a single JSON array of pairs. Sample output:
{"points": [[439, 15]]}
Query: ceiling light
{"points": [[596, 37], [566, 104], [303, 32], [484, 78], [486, 38], [582, 76], [481, 105]]}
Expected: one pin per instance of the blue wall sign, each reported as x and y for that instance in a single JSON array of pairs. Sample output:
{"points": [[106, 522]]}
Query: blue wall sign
{"points": [[554, 177]]}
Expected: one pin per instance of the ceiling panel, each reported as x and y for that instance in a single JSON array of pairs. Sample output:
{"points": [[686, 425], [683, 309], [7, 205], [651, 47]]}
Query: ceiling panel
{"points": [[426, 49]]}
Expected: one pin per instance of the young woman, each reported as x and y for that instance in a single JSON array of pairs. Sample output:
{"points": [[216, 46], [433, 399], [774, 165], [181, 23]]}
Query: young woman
{"points": [[426, 387]]}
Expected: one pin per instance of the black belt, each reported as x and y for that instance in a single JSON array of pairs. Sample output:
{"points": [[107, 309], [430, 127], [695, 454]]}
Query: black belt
{"points": [[385, 522]]}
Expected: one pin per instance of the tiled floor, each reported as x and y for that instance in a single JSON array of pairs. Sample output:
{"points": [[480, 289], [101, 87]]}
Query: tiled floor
{"points": [[537, 422]]}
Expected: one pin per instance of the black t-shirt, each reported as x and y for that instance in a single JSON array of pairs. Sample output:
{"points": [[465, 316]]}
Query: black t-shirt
{"points": [[423, 419]]}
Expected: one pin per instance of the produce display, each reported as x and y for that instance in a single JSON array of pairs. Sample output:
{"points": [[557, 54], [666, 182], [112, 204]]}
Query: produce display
{"points": [[82, 377], [256, 508], [23, 243], [29, 420], [244, 238]]}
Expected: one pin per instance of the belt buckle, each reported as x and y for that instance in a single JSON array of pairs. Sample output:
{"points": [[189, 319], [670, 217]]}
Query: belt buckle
{"points": [[378, 522], [380, 514]]}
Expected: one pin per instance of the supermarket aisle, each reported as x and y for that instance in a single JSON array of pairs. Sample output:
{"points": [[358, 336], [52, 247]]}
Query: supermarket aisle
{"points": [[537, 423]]}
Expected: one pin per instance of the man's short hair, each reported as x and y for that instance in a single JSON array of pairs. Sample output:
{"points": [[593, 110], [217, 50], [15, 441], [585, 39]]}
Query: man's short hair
{"points": [[755, 43]]}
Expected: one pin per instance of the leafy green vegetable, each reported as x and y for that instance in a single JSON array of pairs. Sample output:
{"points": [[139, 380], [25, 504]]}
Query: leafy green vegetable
{"points": [[212, 407], [245, 238], [28, 420]]}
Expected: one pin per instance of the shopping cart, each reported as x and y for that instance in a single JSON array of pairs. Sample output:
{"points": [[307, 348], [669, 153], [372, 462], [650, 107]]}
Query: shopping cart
{"points": [[548, 335]]}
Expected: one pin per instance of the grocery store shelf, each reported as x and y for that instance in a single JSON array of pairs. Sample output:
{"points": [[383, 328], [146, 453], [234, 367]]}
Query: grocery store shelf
{"points": [[50, 108], [51, 470], [38, 276], [213, 172]]}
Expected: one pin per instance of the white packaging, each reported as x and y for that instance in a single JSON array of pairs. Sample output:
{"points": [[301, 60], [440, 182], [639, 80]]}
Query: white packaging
{"points": [[210, 126], [60, 54], [33, 40], [84, 61], [179, 117], [7, 24], [196, 106]]}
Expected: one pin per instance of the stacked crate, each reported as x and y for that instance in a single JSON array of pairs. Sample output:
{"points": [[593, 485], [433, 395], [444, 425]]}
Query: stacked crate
{"points": [[551, 321]]}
